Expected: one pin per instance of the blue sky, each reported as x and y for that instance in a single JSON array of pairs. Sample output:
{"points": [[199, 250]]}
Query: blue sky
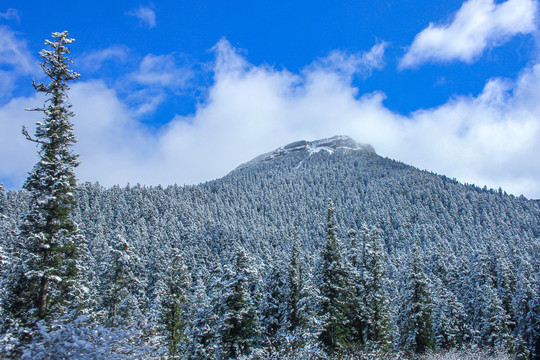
{"points": [[184, 91]]}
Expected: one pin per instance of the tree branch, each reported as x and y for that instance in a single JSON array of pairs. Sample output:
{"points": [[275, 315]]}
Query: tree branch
{"points": [[29, 138]]}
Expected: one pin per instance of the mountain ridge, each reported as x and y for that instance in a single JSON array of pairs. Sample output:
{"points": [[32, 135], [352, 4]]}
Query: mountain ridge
{"points": [[307, 148]]}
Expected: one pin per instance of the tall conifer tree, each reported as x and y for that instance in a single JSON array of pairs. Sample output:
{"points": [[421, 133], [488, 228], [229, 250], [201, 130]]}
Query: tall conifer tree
{"points": [[48, 235], [415, 320], [239, 326], [333, 287], [174, 304]]}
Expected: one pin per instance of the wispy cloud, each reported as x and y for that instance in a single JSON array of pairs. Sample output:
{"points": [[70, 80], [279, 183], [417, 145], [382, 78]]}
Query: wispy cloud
{"points": [[362, 63], [14, 52], [10, 14], [15, 60], [157, 78], [477, 25], [161, 70], [145, 14], [93, 61]]}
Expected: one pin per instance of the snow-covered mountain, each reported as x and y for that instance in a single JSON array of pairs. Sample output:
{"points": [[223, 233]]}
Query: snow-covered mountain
{"points": [[303, 149]]}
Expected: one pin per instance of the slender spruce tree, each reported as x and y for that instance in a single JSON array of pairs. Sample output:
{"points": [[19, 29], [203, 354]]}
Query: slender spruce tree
{"points": [[415, 322], [333, 288], [375, 305], [239, 327], [174, 305], [48, 235]]}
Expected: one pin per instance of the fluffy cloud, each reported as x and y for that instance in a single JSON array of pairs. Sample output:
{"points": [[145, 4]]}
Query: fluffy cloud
{"points": [[477, 25], [145, 14], [491, 138]]}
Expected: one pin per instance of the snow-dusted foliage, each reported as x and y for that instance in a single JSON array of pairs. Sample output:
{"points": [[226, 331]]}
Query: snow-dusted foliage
{"points": [[471, 353], [48, 239], [404, 261]]}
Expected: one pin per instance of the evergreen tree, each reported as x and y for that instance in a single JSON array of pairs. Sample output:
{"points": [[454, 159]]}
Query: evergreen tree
{"points": [[174, 304], [494, 331], [448, 319], [356, 315], [120, 284], [333, 288], [203, 331], [239, 327], [296, 317], [527, 305], [415, 321], [49, 240], [275, 304], [374, 304]]}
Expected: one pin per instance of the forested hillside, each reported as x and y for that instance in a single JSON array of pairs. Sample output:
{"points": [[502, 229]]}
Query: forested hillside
{"points": [[315, 250]]}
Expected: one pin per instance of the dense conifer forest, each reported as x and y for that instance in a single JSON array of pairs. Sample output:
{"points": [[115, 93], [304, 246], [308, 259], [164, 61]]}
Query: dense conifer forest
{"points": [[302, 255], [318, 250]]}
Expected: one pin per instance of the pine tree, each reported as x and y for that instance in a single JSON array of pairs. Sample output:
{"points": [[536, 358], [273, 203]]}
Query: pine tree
{"points": [[275, 304], [203, 316], [356, 314], [494, 329], [333, 288], [527, 305], [49, 240], [119, 282], [240, 327], [302, 324], [174, 304], [375, 304], [448, 318], [296, 291], [415, 320]]}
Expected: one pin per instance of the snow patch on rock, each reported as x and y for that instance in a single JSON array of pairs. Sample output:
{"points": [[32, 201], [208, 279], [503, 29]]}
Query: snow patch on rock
{"points": [[330, 145]]}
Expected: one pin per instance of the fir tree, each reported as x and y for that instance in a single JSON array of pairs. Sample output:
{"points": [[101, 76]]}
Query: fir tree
{"points": [[174, 304], [374, 305], [296, 291], [415, 320], [333, 288], [494, 329], [203, 334], [275, 304], [49, 240], [449, 319], [240, 327], [120, 284]]}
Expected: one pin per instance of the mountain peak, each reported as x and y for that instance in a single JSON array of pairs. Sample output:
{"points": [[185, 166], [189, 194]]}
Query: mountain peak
{"points": [[307, 148]]}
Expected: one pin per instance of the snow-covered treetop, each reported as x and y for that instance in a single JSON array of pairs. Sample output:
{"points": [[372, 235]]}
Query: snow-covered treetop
{"points": [[330, 145]]}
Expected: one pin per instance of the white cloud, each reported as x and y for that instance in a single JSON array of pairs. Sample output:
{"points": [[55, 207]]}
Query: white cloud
{"points": [[157, 78], [162, 71], [145, 14], [10, 14], [14, 52], [15, 60], [491, 138], [94, 60], [17, 155], [362, 63], [477, 25]]}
